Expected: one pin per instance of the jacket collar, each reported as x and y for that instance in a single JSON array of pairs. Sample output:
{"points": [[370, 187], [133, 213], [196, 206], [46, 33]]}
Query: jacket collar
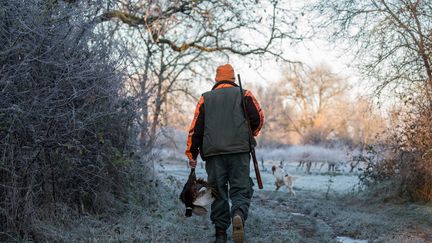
{"points": [[224, 82]]}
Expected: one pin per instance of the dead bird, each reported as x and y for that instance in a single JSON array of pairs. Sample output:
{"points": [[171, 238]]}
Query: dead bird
{"points": [[196, 195]]}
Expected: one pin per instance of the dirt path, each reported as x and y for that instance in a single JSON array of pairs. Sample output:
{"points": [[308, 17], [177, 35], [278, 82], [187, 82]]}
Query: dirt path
{"points": [[273, 219], [309, 217]]}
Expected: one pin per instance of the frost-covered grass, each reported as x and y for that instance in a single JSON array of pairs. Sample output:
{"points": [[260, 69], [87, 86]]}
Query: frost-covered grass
{"points": [[320, 180], [313, 182], [316, 181], [304, 152], [322, 210], [325, 207], [172, 143], [343, 239]]}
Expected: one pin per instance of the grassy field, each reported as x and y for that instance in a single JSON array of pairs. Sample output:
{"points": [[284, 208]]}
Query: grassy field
{"points": [[326, 208]]}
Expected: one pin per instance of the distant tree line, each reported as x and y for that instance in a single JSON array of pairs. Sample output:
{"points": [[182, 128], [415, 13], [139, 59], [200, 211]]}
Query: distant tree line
{"points": [[392, 42], [314, 105]]}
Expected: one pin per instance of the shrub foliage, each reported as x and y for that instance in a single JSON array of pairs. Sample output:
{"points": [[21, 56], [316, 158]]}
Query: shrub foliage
{"points": [[407, 159], [64, 125]]}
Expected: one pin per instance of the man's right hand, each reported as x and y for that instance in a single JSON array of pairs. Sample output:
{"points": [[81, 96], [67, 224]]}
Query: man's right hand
{"points": [[192, 163]]}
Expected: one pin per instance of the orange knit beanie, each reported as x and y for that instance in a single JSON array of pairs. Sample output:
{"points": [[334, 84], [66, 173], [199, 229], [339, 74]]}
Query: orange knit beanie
{"points": [[225, 72]]}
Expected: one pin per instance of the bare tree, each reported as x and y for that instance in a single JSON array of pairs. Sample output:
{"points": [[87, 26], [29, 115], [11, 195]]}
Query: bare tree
{"points": [[165, 43], [312, 92], [392, 42], [241, 27], [155, 72], [364, 121], [391, 39], [278, 115]]}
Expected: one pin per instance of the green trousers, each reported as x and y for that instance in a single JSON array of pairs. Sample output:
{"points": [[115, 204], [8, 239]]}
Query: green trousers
{"points": [[229, 174]]}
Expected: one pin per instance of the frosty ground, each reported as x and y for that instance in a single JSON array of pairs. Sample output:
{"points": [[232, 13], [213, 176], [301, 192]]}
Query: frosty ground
{"points": [[327, 208]]}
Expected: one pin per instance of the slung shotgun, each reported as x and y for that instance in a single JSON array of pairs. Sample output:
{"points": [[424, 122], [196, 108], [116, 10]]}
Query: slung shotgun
{"points": [[252, 149]]}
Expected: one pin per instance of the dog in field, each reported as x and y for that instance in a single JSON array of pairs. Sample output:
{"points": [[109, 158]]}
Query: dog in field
{"points": [[282, 178]]}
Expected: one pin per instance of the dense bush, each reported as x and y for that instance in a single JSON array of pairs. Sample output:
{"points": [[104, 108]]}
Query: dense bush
{"points": [[414, 153], [64, 126], [407, 162]]}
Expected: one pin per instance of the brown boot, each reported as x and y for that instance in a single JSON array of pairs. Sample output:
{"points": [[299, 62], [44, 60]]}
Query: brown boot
{"points": [[238, 226], [221, 236]]}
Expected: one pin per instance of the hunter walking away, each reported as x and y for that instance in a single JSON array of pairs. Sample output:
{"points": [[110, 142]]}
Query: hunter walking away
{"points": [[224, 138], [100, 100]]}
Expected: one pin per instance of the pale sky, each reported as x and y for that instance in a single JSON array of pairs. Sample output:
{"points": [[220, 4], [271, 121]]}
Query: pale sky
{"points": [[311, 52]]}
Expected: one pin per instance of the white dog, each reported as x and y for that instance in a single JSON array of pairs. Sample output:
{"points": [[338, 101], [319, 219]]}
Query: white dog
{"points": [[282, 178]]}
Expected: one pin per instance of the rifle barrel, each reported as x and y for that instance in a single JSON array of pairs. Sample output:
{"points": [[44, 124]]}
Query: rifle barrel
{"points": [[252, 150]]}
